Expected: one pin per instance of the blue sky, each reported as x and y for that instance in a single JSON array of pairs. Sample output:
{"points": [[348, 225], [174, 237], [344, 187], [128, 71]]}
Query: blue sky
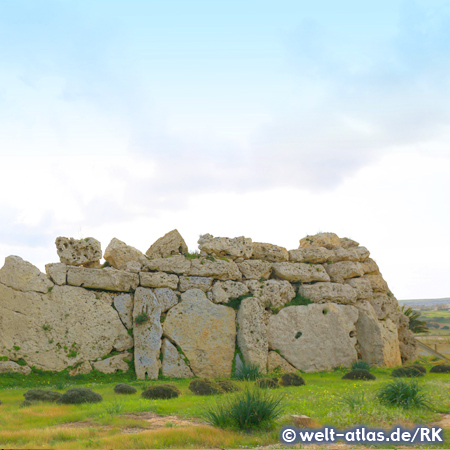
{"points": [[260, 118]]}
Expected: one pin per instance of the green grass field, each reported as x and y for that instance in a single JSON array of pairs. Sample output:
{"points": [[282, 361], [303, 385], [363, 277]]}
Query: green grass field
{"points": [[133, 422], [440, 318]]}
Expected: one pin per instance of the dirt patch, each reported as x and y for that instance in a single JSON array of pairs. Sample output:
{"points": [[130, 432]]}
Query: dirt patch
{"points": [[443, 423]]}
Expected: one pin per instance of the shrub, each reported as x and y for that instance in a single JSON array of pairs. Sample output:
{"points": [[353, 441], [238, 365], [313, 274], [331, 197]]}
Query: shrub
{"points": [[141, 318], [40, 395], [359, 374], [205, 387], [440, 368], [406, 394], [79, 395], [248, 372], [163, 391], [245, 410], [123, 388], [409, 372], [419, 367], [228, 386], [291, 379], [267, 383], [361, 365], [26, 403]]}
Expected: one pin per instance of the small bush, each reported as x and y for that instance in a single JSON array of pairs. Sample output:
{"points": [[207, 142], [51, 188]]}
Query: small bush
{"points": [[291, 379], [161, 391], [228, 386], [40, 395], [26, 403], [141, 318], [248, 372], [205, 387], [409, 372], [420, 368], [123, 388], [406, 394], [359, 374], [267, 383], [440, 368], [361, 365], [79, 395]]}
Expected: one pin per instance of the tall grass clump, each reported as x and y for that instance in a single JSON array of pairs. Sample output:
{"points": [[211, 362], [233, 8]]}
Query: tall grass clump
{"points": [[248, 372], [250, 409], [404, 393], [361, 365]]}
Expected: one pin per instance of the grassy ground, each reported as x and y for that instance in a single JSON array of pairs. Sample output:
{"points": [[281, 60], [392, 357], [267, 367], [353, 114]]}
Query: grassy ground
{"points": [[133, 422], [440, 318]]}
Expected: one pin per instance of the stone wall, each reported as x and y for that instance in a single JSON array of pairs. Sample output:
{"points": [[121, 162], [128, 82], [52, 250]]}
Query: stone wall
{"points": [[322, 305]]}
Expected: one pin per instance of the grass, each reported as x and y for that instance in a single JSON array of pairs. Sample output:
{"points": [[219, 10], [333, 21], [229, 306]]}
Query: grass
{"points": [[406, 394], [248, 372]]}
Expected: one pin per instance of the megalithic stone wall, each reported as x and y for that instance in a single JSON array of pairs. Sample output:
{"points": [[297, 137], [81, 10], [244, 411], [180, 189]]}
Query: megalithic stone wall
{"points": [[322, 305]]}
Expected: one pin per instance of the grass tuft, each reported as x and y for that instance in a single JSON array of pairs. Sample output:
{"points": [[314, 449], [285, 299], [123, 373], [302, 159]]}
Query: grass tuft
{"points": [[406, 394], [248, 372]]}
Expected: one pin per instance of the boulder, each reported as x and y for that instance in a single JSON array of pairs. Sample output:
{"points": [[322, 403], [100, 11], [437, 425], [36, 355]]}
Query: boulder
{"points": [[205, 332], [252, 334], [343, 270], [232, 248], [82, 369], [300, 272], [362, 253], [224, 291], [170, 244], [13, 367], [271, 293], [315, 337], [362, 287], [174, 264], [114, 363], [253, 269], [173, 364], [269, 252], [203, 283], [57, 273], [120, 255], [348, 243], [107, 279], [328, 292], [23, 276], [76, 252], [147, 335], [166, 298], [327, 240], [276, 363], [370, 267], [158, 280], [124, 307], [377, 283], [218, 269], [313, 255]]}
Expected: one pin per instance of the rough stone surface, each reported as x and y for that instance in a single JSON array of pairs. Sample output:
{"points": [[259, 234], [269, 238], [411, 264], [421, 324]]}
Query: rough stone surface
{"points": [[173, 364], [348, 243], [203, 283], [384, 305], [300, 272], [370, 267], [239, 247], [252, 333], [166, 298], [224, 291], [57, 273], [170, 244], [327, 240], [408, 346], [269, 252], [107, 279], [253, 269], [76, 252], [271, 293], [328, 292], [218, 269], [12, 367], [377, 283], [205, 332], [301, 421], [119, 255], [23, 276], [363, 253], [83, 369], [124, 307], [312, 255], [147, 336], [113, 364], [276, 363], [362, 287], [158, 280], [47, 328], [343, 254], [315, 337], [174, 264], [342, 270]]}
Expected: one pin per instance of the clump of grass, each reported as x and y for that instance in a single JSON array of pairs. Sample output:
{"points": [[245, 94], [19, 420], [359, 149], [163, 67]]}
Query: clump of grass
{"points": [[248, 372], [228, 386], [353, 400], [192, 255], [299, 300], [267, 383], [361, 365], [114, 407], [249, 409], [409, 372], [406, 394], [141, 318]]}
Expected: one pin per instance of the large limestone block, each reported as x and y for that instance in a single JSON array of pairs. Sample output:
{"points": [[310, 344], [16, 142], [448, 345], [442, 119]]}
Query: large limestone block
{"points": [[315, 337], [113, 364], [252, 333], [362, 287], [12, 367], [76, 252], [170, 244], [328, 292], [173, 364], [300, 272], [253, 269], [271, 293], [158, 280], [107, 279], [120, 255], [276, 363], [59, 329], [203, 283], [232, 248], [327, 240], [218, 269], [313, 255], [205, 332], [269, 252], [83, 369], [124, 307], [363, 253], [377, 282], [57, 272], [384, 305], [147, 335], [370, 267], [166, 298], [343, 270], [224, 291], [348, 243], [23, 276], [343, 254], [174, 264]]}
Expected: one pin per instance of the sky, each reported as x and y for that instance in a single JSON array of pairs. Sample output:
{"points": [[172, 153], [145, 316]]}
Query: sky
{"points": [[265, 119]]}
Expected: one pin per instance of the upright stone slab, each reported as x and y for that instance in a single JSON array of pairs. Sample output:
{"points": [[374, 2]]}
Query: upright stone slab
{"points": [[276, 363], [147, 335], [173, 364], [124, 307]]}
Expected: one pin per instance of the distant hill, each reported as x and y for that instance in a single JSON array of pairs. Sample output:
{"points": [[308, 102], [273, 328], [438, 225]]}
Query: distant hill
{"points": [[425, 301]]}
